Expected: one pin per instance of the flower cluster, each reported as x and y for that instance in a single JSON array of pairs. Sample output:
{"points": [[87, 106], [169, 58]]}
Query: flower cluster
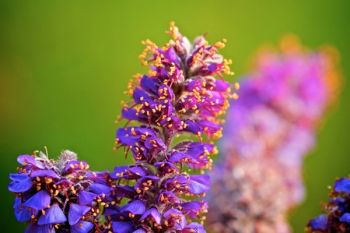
{"points": [[337, 211], [180, 94], [281, 102], [60, 196]]}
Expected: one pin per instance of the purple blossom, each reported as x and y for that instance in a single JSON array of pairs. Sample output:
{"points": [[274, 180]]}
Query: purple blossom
{"points": [[60, 196], [180, 94], [274, 121], [336, 218]]}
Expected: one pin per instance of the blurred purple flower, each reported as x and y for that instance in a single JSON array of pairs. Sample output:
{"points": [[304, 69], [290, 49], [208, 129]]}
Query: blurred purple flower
{"points": [[251, 197], [271, 127]]}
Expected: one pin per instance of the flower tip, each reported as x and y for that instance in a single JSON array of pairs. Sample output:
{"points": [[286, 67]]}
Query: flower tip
{"points": [[174, 31], [290, 43]]}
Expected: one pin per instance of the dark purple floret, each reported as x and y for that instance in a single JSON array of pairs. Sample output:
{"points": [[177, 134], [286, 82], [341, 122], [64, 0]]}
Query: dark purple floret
{"points": [[336, 218], [319, 223], [342, 185]]}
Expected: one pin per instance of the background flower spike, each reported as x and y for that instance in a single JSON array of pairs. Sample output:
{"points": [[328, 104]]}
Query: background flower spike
{"points": [[269, 130]]}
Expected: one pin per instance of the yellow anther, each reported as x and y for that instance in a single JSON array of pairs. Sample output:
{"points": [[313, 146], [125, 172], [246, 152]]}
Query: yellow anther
{"points": [[235, 96], [220, 44]]}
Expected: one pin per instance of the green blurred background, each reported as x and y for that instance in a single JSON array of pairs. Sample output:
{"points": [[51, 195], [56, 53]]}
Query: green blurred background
{"points": [[65, 64]]}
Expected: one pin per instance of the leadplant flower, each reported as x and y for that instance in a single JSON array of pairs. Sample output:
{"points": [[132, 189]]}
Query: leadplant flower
{"points": [[183, 93]]}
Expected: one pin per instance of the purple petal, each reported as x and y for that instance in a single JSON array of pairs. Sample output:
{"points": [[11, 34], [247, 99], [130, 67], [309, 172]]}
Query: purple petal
{"points": [[194, 227], [176, 182], [135, 207], [76, 212], [86, 198], [28, 159], [152, 213], [342, 185], [199, 184], [175, 219], [54, 215], [209, 126], [39, 201], [140, 95], [100, 189], [98, 176], [192, 126], [221, 85], [130, 114], [319, 223], [82, 227], [20, 183], [34, 228], [22, 213], [193, 208], [122, 227], [150, 84], [124, 137], [212, 67], [128, 172], [345, 218], [44, 173], [177, 156], [140, 231]]}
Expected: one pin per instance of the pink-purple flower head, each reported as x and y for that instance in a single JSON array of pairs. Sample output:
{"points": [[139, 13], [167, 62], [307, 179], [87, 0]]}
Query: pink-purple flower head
{"points": [[183, 92], [282, 99], [60, 196], [274, 121], [297, 82]]}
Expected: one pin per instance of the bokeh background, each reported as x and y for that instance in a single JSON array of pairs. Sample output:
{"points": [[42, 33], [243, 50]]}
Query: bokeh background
{"points": [[64, 66]]}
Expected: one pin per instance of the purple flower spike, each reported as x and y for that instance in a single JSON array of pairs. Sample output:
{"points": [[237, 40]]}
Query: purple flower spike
{"points": [[180, 94], [61, 196], [269, 131]]}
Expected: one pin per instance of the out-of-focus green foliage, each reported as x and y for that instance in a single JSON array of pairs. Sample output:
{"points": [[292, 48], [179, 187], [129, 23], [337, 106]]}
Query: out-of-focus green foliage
{"points": [[65, 64]]}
